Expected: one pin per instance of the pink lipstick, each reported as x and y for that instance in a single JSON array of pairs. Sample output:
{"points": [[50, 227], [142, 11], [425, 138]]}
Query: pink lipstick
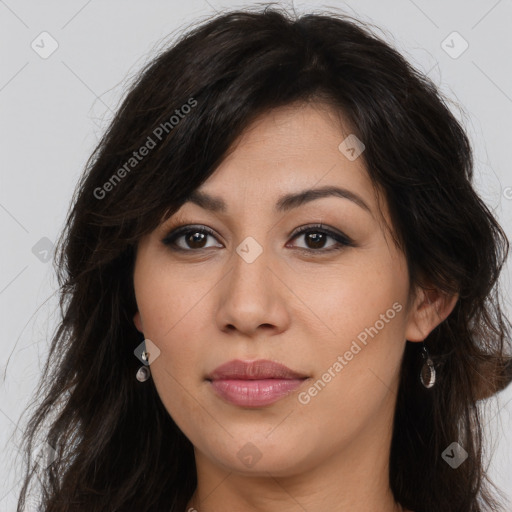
{"points": [[254, 383]]}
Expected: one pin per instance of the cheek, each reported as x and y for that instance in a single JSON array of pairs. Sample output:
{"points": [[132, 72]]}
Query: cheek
{"points": [[169, 321], [169, 308], [168, 299], [357, 359], [364, 293]]}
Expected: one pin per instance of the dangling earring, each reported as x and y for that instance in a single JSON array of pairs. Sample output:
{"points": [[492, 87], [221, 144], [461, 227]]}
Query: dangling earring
{"points": [[141, 352], [428, 371], [143, 374]]}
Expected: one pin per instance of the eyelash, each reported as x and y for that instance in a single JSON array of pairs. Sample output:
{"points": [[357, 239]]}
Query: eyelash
{"points": [[342, 240]]}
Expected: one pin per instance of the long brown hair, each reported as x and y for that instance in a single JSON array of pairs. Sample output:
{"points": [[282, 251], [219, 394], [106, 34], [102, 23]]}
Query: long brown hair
{"points": [[117, 448]]}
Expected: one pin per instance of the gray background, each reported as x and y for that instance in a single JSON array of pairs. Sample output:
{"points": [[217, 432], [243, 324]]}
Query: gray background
{"points": [[54, 109]]}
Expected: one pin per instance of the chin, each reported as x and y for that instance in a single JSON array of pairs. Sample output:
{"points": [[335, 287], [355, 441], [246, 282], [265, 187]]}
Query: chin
{"points": [[261, 456]]}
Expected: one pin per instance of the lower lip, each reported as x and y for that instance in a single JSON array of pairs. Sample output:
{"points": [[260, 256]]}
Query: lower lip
{"points": [[254, 393]]}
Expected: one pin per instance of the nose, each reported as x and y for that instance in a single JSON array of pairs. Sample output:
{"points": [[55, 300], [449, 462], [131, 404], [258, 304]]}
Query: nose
{"points": [[252, 298]]}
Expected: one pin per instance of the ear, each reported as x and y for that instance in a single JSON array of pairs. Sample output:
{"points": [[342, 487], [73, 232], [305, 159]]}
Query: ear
{"points": [[430, 308], [138, 322]]}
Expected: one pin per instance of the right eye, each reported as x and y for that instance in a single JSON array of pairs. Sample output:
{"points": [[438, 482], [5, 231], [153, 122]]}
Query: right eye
{"points": [[194, 238]]}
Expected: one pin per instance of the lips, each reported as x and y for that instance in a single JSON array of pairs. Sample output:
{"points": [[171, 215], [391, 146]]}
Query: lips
{"points": [[254, 383], [253, 370]]}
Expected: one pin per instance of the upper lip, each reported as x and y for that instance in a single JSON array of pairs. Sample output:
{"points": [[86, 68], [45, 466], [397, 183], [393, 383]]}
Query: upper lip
{"points": [[252, 370]]}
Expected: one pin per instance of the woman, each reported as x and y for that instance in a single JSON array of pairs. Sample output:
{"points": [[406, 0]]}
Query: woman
{"points": [[279, 288]]}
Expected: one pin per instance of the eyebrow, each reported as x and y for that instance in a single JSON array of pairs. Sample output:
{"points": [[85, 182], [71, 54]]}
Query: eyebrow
{"points": [[285, 203]]}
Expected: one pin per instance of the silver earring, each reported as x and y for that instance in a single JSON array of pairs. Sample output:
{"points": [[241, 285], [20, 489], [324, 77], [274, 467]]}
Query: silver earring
{"points": [[143, 374], [146, 352], [428, 370], [141, 352]]}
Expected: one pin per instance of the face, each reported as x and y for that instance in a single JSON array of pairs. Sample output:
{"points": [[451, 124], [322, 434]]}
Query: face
{"points": [[242, 283]]}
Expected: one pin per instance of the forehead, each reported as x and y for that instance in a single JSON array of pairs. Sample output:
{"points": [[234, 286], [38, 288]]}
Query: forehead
{"points": [[287, 150]]}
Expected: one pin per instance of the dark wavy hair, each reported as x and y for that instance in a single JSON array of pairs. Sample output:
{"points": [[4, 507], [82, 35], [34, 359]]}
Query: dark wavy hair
{"points": [[117, 448]]}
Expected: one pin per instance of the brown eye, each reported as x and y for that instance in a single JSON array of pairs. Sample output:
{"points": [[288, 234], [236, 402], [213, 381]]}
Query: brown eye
{"points": [[189, 238], [196, 240], [315, 238]]}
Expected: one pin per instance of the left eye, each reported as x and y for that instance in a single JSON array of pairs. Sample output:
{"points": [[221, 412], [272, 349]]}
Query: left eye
{"points": [[315, 238]]}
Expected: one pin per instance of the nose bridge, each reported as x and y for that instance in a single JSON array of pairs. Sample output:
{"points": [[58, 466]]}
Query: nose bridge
{"points": [[251, 260]]}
